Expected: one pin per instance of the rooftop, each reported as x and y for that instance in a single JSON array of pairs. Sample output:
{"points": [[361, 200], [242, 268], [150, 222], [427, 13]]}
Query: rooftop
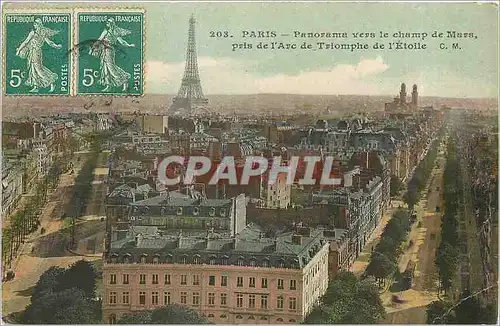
{"points": [[252, 246]]}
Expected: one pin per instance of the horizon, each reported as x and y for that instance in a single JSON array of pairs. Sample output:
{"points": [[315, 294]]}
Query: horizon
{"points": [[468, 72]]}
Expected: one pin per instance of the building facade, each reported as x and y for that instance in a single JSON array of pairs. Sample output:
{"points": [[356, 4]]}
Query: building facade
{"points": [[247, 279]]}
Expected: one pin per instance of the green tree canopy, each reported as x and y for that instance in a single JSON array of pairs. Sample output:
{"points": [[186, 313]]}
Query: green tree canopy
{"points": [[69, 306], [348, 301], [170, 314], [380, 266], [80, 275], [48, 282]]}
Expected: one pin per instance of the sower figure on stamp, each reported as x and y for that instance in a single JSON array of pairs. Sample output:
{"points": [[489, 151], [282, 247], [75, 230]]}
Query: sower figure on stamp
{"points": [[39, 76], [110, 74]]}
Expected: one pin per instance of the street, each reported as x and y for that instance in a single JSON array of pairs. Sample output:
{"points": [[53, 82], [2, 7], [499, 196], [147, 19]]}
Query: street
{"points": [[43, 250], [425, 236]]}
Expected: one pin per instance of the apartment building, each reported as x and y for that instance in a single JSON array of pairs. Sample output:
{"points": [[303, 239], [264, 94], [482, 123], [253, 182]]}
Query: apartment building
{"points": [[251, 278]]}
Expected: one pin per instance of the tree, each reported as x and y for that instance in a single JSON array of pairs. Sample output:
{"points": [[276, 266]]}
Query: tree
{"points": [[469, 311], [348, 301], [446, 263], [69, 306], [170, 314], [396, 185], [80, 275], [48, 282], [380, 266], [437, 312], [138, 318]]}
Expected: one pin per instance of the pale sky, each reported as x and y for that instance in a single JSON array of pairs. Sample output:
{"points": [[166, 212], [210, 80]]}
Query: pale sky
{"points": [[469, 72]]}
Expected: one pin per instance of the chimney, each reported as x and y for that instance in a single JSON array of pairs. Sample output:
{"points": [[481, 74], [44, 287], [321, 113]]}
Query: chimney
{"points": [[297, 239], [329, 233], [138, 239], [234, 243], [304, 231]]}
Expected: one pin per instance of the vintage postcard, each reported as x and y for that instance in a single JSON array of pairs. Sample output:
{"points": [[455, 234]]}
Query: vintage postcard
{"points": [[250, 162]]}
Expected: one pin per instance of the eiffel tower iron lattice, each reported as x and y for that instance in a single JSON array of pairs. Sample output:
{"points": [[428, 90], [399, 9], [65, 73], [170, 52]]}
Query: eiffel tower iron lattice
{"points": [[190, 95]]}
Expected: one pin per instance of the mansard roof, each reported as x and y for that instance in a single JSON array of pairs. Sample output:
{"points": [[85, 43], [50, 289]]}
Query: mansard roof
{"points": [[251, 247]]}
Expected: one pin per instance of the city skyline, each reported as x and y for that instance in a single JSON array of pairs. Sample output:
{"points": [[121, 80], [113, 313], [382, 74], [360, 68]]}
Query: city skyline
{"points": [[470, 73]]}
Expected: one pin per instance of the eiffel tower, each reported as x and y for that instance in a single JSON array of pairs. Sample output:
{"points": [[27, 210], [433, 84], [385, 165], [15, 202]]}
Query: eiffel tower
{"points": [[190, 96]]}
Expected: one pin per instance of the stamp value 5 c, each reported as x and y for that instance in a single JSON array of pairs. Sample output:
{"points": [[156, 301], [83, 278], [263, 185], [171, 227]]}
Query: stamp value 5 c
{"points": [[37, 53], [110, 52]]}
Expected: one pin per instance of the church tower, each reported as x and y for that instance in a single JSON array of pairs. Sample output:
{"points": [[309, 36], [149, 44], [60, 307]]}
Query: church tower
{"points": [[402, 94], [414, 96]]}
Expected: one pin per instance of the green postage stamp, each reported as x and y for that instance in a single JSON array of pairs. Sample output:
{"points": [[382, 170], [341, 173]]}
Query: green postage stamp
{"points": [[37, 53], [110, 52]]}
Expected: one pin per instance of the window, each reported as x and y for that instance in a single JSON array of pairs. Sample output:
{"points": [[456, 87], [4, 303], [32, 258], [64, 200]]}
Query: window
{"points": [[263, 301], [154, 279], [264, 283], [142, 297], [251, 282], [223, 316], [112, 279], [143, 259], [239, 281], [126, 297], [280, 284], [197, 260], [279, 303], [292, 304], [251, 301], [252, 262], [154, 298], [166, 298], [184, 260], [196, 279], [265, 263], [211, 299], [183, 279], [224, 261], [142, 279], [293, 285], [279, 320], [292, 320], [239, 300], [212, 260], [210, 316], [167, 278], [196, 211], [179, 211], [251, 317], [241, 262], [125, 278], [222, 212], [239, 317], [212, 211], [183, 297], [211, 280], [112, 297], [223, 299], [223, 280], [156, 260], [196, 298], [263, 318]]}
